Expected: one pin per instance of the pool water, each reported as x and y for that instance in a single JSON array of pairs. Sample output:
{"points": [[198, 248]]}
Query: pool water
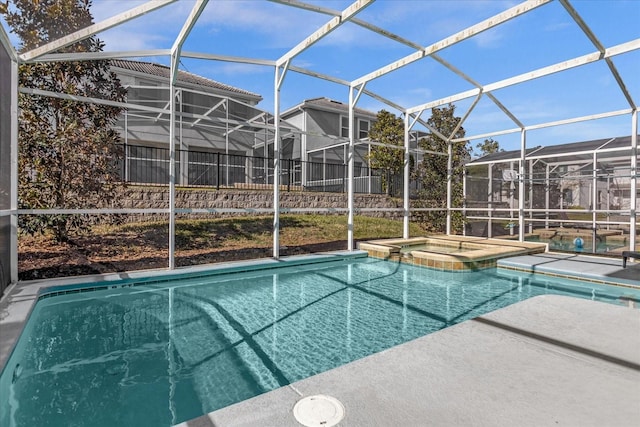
{"points": [[160, 354]]}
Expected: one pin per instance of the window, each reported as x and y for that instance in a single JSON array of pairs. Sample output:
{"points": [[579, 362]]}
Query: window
{"points": [[363, 129], [344, 126]]}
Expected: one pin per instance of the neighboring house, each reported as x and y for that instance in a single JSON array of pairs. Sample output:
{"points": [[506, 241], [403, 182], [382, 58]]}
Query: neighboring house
{"points": [[567, 170], [148, 84], [223, 138], [324, 141], [325, 126], [216, 124]]}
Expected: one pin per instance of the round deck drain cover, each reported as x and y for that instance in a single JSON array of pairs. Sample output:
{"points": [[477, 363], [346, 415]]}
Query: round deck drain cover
{"points": [[318, 411]]}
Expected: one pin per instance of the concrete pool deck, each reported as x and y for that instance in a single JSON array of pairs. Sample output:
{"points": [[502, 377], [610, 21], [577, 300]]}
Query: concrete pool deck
{"points": [[549, 360], [573, 266]]}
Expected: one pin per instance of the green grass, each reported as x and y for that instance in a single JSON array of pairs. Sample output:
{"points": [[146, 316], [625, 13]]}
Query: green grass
{"points": [[294, 229]]}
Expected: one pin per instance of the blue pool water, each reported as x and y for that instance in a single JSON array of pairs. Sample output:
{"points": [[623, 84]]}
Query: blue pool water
{"points": [[158, 354]]}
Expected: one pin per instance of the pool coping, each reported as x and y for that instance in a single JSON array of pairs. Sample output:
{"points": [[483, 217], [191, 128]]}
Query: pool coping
{"points": [[19, 299]]}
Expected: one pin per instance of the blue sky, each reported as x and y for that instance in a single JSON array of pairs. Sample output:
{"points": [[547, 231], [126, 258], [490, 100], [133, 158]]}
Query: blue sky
{"points": [[545, 36]]}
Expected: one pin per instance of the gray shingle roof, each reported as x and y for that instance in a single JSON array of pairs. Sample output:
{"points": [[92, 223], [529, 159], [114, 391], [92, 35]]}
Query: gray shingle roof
{"points": [[560, 149], [183, 76]]}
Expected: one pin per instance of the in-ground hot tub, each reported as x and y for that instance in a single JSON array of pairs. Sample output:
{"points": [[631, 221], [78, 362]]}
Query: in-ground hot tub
{"points": [[444, 252]]}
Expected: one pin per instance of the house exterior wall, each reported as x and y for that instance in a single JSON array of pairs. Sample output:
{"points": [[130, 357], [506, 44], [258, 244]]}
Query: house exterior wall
{"points": [[319, 124]]}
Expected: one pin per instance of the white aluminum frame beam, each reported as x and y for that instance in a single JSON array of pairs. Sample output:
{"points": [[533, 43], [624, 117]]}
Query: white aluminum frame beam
{"points": [[172, 173], [360, 22], [592, 37], [426, 125], [278, 79], [580, 119], [633, 238], [223, 58], [323, 31], [173, 93], [12, 212], [406, 203], [222, 102], [176, 49], [14, 170], [535, 74], [91, 56], [521, 168], [489, 95], [6, 44], [227, 58], [469, 32], [94, 29], [316, 74], [166, 109], [91, 100], [401, 40], [564, 65], [550, 124], [354, 96], [251, 120], [464, 117]]}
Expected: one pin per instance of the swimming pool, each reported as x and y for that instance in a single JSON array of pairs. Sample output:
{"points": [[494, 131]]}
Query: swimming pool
{"points": [[161, 353]]}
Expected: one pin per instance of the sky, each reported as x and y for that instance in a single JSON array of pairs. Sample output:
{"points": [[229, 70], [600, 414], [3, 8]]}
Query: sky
{"points": [[543, 37]]}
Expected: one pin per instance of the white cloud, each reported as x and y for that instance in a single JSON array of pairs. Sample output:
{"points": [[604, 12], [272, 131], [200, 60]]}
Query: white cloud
{"points": [[558, 26], [232, 68], [279, 26], [490, 39], [127, 40]]}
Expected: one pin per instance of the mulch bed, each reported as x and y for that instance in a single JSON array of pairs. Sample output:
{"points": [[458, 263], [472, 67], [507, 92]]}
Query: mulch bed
{"points": [[43, 259]]}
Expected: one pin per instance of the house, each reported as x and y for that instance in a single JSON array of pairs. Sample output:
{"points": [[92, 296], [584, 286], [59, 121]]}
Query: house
{"points": [[593, 174], [325, 126], [223, 139], [218, 128], [324, 144]]}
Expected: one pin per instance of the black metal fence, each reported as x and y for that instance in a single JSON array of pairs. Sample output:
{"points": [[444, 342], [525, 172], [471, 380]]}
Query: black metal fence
{"points": [[151, 165]]}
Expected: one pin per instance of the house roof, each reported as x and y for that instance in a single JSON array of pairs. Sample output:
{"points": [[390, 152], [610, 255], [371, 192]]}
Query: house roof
{"points": [[327, 104], [163, 71], [573, 150]]}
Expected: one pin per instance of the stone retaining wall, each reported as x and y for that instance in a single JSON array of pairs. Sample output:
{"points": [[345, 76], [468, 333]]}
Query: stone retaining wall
{"points": [[158, 198]]}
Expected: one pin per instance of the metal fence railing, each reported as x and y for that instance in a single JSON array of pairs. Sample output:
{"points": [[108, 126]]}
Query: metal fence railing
{"points": [[151, 165]]}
